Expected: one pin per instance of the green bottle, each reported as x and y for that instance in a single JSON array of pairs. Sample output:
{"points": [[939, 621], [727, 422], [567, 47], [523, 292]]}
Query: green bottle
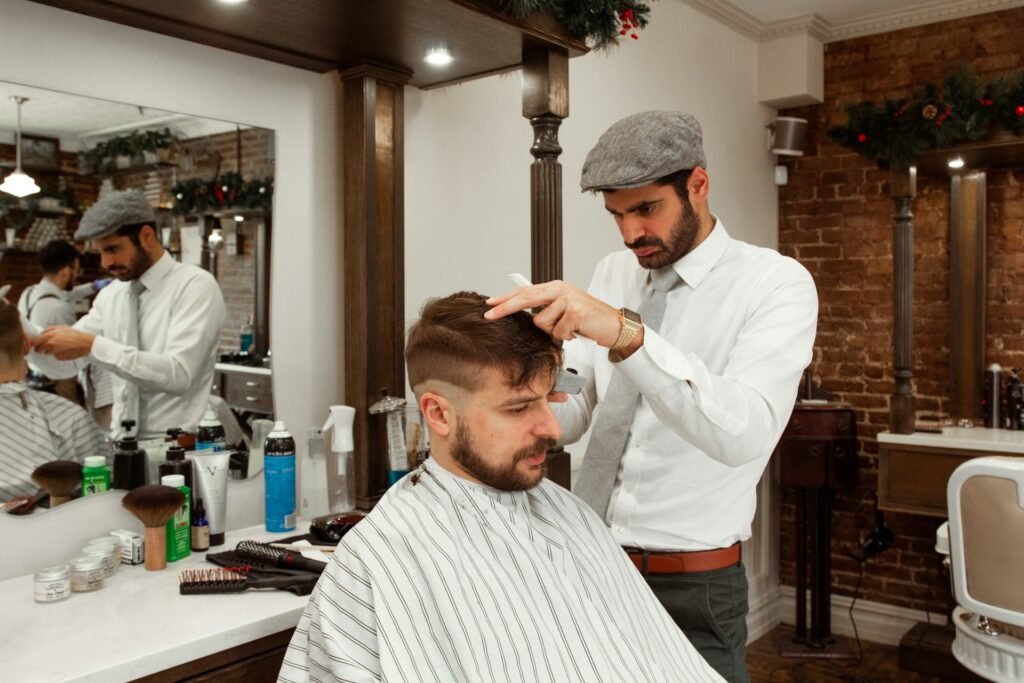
{"points": [[179, 531], [95, 475]]}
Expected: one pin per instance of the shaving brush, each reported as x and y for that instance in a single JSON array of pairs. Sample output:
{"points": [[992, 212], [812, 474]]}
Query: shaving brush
{"points": [[154, 505], [60, 478]]}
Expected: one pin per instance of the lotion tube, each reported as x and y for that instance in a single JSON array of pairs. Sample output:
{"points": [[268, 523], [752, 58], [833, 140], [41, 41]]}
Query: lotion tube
{"points": [[212, 481]]}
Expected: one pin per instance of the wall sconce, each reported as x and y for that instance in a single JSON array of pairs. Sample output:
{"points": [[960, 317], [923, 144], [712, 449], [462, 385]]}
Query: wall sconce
{"points": [[786, 138]]}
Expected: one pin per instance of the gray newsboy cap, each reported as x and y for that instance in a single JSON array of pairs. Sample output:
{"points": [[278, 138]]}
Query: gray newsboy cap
{"points": [[641, 148], [114, 211]]}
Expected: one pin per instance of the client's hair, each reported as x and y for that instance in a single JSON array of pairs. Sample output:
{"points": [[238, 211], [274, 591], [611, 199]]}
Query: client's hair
{"points": [[11, 335], [453, 342]]}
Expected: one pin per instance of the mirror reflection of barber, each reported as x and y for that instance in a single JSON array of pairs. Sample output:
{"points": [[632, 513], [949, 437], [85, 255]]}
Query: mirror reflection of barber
{"points": [[155, 328], [52, 301]]}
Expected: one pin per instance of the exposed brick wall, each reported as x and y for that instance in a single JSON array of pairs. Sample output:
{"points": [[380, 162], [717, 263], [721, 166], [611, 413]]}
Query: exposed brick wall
{"points": [[836, 218]]}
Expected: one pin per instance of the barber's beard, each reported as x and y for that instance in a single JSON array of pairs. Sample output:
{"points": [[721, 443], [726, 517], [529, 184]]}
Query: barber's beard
{"points": [[680, 241], [140, 263], [504, 476]]}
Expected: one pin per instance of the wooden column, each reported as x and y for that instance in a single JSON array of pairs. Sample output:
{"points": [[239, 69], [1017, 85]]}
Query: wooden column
{"points": [[545, 104], [967, 293], [374, 261], [903, 182]]}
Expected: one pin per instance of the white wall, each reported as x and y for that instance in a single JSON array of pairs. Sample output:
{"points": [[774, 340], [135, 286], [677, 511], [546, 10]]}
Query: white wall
{"points": [[50, 48], [467, 182]]}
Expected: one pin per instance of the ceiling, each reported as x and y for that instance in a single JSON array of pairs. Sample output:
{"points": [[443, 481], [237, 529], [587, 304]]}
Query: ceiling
{"points": [[323, 35], [82, 121], [834, 20]]}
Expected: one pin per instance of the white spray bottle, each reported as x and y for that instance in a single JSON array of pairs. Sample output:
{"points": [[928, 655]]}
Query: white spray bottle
{"points": [[342, 496], [313, 477]]}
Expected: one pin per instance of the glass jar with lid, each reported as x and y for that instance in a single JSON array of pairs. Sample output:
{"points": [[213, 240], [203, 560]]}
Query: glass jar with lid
{"points": [[51, 584], [86, 573]]}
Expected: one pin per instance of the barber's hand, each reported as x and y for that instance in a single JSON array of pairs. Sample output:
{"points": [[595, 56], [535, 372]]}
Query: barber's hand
{"points": [[64, 343], [568, 310]]}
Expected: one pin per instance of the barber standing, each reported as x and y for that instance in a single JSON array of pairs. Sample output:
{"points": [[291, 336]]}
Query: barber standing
{"points": [[155, 328], [693, 344]]}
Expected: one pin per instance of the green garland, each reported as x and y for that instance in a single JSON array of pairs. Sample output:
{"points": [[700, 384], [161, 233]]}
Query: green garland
{"points": [[601, 22], [228, 191], [896, 132]]}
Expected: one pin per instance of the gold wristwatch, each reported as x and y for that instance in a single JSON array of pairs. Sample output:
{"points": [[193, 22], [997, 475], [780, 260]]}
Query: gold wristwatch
{"points": [[631, 326]]}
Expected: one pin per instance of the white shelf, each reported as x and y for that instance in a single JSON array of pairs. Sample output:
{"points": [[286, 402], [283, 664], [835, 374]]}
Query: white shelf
{"points": [[1005, 441]]}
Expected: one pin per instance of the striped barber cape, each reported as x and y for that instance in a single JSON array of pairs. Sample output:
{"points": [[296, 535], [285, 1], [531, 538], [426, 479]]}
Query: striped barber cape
{"points": [[449, 581]]}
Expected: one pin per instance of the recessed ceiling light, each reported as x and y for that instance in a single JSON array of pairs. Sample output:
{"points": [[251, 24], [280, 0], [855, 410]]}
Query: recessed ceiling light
{"points": [[232, 2], [955, 162], [239, 218], [438, 54]]}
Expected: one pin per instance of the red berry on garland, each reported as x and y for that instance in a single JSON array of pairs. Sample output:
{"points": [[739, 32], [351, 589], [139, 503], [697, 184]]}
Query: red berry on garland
{"points": [[1019, 111], [633, 36], [622, 33], [861, 137]]}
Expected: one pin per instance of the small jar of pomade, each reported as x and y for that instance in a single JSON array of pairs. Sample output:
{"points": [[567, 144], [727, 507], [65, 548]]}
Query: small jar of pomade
{"points": [[51, 584]]}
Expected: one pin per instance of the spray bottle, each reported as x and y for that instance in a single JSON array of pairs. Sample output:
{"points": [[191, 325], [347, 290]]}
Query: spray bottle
{"points": [[279, 479], [393, 407], [342, 498], [313, 476]]}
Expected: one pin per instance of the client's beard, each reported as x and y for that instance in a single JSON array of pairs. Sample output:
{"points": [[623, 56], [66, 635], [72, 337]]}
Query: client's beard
{"points": [[505, 476]]}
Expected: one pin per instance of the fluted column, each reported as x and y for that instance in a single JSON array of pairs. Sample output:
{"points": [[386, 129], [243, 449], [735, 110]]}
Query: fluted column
{"points": [[903, 182]]}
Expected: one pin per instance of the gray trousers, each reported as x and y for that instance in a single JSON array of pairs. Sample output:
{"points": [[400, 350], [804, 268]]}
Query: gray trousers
{"points": [[711, 609]]}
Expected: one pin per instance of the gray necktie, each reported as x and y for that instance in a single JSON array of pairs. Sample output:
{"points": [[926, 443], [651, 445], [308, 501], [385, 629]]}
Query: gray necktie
{"points": [[615, 412], [131, 390]]}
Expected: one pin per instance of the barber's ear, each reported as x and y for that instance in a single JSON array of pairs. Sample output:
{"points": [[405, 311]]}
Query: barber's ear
{"points": [[698, 184], [437, 412]]}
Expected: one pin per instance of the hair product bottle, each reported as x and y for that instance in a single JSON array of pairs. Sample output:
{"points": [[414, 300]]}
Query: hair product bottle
{"points": [[279, 479]]}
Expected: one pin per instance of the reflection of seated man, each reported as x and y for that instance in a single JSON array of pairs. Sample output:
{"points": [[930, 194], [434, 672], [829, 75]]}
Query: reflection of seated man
{"points": [[473, 567], [35, 427], [156, 329], [51, 301]]}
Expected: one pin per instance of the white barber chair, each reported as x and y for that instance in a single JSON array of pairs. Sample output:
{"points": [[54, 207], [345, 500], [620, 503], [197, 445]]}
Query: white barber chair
{"points": [[986, 546]]}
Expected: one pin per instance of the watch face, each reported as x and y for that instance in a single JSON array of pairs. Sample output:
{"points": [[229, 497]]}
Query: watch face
{"points": [[631, 315]]}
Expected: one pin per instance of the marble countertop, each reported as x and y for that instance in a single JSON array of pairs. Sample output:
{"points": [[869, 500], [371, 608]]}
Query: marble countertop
{"points": [[1006, 441], [136, 625]]}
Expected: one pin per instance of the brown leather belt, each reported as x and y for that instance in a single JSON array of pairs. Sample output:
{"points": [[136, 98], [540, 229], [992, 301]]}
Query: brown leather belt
{"points": [[685, 562]]}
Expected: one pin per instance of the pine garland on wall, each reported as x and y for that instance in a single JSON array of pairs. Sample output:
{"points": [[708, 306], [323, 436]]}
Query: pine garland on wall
{"points": [[964, 108], [600, 22]]}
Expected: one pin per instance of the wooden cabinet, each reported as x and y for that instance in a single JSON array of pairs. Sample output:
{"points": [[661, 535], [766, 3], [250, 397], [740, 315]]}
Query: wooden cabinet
{"points": [[819, 446], [254, 662], [913, 469], [245, 389]]}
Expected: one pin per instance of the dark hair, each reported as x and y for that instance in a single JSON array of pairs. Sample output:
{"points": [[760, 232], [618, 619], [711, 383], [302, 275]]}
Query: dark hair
{"points": [[678, 182], [453, 342], [56, 255], [132, 230], [11, 334]]}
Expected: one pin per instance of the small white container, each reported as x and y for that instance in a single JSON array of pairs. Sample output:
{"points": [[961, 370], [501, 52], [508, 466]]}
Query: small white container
{"points": [[106, 554], [86, 573], [51, 584], [110, 542]]}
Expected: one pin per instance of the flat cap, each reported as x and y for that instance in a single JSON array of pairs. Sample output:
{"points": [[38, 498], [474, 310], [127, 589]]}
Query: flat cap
{"points": [[114, 211], [641, 148]]}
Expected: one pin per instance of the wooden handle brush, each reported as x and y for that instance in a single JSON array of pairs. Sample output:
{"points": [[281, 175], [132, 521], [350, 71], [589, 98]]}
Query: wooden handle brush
{"points": [[154, 505], [60, 478]]}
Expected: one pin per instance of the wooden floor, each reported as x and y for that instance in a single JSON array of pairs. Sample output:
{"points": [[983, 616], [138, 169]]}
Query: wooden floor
{"points": [[878, 665]]}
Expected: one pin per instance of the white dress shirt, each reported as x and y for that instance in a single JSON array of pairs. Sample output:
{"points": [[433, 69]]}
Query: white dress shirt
{"points": [[45, 304], [454, 582], [718, 383], [181, 312]]}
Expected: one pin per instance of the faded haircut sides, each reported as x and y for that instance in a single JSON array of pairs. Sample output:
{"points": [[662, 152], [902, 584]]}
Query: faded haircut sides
{"points": [[11, 334], [452, 342]]}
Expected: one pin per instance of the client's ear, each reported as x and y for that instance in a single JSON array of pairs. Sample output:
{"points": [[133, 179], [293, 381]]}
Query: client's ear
{"points": [[437, 413]]}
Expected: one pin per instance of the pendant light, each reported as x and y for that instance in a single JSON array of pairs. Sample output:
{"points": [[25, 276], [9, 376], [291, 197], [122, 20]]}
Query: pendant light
{"points": [[19, 183]]}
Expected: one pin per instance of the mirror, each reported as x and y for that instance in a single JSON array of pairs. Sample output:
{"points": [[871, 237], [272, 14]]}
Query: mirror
{"points": [[210, 183]]}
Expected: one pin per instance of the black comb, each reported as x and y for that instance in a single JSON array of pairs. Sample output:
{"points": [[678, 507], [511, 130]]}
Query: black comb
{"points": [[262, 553], [236, 580]]}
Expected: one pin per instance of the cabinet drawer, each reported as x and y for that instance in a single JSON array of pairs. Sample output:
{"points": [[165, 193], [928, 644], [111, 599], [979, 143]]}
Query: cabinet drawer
{"points": [[247, 392], [821, 423]]}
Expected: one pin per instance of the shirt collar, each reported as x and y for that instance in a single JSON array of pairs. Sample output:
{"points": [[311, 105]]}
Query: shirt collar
{"points": [[155, 274], [693, 266], [47, 287]]}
